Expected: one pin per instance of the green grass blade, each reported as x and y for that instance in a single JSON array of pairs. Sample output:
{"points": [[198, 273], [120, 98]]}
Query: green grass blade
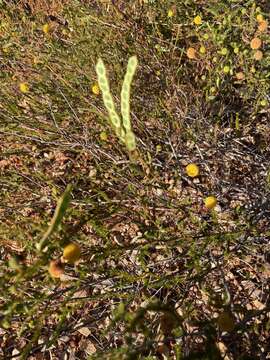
{"points": [[59, 213]]}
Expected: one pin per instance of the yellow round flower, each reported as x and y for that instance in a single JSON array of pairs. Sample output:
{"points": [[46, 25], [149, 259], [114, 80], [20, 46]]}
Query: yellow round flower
{"points": [[259, 18], [224, 51], [197, 20], [71, 253], [158, 148], [210, 202], [255, 43], [170, 13], [191, 53], [103, 136], [46, 28], [192, 170], [226, 69], [258, 55], [5, 49], [263, 25], [226, 321], [202, 50], [24, 88], [240, 75], [56, 268], [95, 89], [263, 103]]}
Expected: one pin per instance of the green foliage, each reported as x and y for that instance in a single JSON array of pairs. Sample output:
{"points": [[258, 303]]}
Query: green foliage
{"points": [[59, 213]]}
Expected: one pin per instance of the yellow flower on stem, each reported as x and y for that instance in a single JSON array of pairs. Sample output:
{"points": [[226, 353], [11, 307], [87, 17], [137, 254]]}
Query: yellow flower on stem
{"points": [[255, 43], [170, 13], [46, 28], [202, 50], [226, 69], [258, 55], [95, 89], [192, 170], [24, 88], [240, 75], [259, 18], [197, 20], [191, 53], [263, 25], [103, 136], [210, 202]]}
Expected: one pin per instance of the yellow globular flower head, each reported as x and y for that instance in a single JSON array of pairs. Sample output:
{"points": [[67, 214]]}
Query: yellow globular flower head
{"points": [[258, 55], [263, 25], [192, 170], [5, 49], [24, 88], [240, 75], [226, 321], [197, 20], [259, 18], [202, 50], [56, 268], [170, 13], [255, 43], [210, 202], [71, 253], [95, 89], [46, 28], [103, 136], [191, 53], [224, 51], [263, 103], [226, 69]]}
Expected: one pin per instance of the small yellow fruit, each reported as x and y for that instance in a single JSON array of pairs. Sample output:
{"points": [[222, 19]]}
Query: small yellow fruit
{"points": [[210, 202], [255, 43], [191, 53], [226, 321], [56, 268], [192, 170], [258, 55], [71, 253], [197, 20], [24, 88], [95, 89]]}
